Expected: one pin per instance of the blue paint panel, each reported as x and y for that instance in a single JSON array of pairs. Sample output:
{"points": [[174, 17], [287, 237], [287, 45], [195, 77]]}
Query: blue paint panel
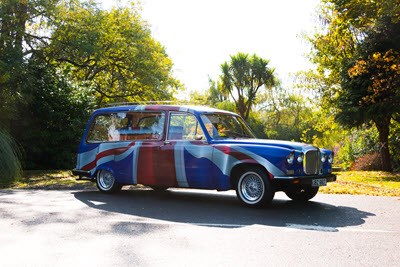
{"points": [[203, 173], [122, 170]]}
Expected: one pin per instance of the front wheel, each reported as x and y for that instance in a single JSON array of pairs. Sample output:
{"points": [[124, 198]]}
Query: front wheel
{"points": [[302, 193], [106, 182], [253, 188]]}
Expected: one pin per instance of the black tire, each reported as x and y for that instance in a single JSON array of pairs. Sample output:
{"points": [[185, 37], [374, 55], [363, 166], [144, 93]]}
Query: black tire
{"points": [[253, 188], [302, 193], [159, 188], [106, 182]]}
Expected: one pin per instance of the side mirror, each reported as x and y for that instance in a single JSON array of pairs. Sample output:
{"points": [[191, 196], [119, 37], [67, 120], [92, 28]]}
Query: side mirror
{"points": [[198, 137]]}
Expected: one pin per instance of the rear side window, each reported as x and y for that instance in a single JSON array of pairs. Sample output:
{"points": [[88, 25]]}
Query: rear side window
{"points": [[125, 126]]}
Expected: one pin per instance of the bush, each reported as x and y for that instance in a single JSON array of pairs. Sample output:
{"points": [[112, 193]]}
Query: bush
{"points": [[369, 162], [10, 166], [51, 117]]}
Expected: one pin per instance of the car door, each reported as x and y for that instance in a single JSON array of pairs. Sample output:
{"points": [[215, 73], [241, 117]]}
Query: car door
{"points": [[185, 156]]}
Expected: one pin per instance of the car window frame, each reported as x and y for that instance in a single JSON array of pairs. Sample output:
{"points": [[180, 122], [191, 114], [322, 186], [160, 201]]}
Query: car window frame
{"points": [[198, 126]]}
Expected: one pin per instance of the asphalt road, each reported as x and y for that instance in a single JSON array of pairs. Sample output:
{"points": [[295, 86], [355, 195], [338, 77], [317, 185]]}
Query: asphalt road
{"points": [[141, 227]]}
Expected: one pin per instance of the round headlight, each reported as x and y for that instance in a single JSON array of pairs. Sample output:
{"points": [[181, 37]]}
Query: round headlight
{"points": [[300, 158], [323, 157], [330, 158], [290, 158]]}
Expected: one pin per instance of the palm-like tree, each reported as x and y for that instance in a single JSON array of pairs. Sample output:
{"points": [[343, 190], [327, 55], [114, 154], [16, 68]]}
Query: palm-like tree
{"points": [[243, 77]]}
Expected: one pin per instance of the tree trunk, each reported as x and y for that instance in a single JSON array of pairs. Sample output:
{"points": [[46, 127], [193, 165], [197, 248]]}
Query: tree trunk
{"points": [[383, 129], [21, 16], [241, 107]]}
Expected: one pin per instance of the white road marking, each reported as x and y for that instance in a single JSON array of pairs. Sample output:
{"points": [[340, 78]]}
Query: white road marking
{"points": [[288, 227], [96, 203], [311, 227]]}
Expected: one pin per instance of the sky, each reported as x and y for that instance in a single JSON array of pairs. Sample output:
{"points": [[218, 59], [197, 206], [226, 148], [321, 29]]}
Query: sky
{"points": [[201, 35]]}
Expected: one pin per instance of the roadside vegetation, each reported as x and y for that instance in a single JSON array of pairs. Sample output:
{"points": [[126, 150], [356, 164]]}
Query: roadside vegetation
{"points": [[10, 166], [61, 59], [47, 180], [374, 183]]}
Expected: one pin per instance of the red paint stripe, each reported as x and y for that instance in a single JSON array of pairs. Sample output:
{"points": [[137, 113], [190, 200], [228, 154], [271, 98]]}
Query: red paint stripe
{"points": [[145, 165], [105, 153], [166, 166], [234, 153]]}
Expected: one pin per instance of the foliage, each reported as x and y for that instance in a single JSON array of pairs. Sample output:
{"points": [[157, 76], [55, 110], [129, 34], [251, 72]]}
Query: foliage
{"points": [[55, 179], [367, 162], [243, 77], [285, 115], [357, 53], [112, 53], [212, 97], [289, 116], [50, 132], [257, 124], [394, 144], [22, 33], [60, 57], [10, 166], [371, 183]]}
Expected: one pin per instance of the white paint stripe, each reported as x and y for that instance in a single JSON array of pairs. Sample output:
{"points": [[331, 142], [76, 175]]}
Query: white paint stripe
{"points": [[288, 227], [87, 157], [180, 171], [224, 161], [96, 203], [125, 154], [135, 161], [334, 229], [311, 227], [275, 171]]}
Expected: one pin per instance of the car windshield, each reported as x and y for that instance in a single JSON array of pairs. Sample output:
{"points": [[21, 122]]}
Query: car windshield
{"points": [[223, 126]]}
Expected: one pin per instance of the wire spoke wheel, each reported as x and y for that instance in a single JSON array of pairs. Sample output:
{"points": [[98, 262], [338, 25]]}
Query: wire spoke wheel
{"points": [[106, 182], [253, 188]]}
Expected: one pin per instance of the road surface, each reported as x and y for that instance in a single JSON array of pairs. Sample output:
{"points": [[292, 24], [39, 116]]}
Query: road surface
{"points": [[141, 227]]}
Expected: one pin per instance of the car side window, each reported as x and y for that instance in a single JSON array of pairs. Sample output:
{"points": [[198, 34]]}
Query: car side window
{"points": [[126, 126], [184, 126]]}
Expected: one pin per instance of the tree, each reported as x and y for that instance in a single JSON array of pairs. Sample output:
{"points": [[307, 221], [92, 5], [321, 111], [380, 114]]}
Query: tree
{"points": [[357, 55], [23, 24], [58, 57], [216, 94], [112, 53], [50, 118], [243, 77]]}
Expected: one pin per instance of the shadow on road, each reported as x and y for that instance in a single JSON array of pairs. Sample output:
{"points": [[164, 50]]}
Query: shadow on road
{"points": [[216, 209]]}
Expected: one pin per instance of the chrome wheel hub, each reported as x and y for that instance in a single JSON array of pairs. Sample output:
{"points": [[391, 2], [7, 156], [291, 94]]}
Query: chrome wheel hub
{"points": [[252, 187], [106, 180]]}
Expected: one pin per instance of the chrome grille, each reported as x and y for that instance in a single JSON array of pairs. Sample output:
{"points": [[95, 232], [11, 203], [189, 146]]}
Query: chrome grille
{"points": [[312, 159]]}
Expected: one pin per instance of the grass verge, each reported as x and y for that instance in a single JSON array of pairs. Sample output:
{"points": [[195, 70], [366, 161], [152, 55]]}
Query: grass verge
{"points": [[373, 183], [49, 180]]}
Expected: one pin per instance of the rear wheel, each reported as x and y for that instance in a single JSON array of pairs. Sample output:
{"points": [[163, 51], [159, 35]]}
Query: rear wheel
{"points": [[302, 193], [158, 188], [106, 182], [253, 188]]}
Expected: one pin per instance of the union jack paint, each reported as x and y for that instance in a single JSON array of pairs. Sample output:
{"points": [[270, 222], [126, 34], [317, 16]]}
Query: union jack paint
{"points": [[193, 147]]}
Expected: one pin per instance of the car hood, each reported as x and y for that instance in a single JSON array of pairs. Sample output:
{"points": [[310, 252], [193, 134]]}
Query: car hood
{"points": [[267, 142]]}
